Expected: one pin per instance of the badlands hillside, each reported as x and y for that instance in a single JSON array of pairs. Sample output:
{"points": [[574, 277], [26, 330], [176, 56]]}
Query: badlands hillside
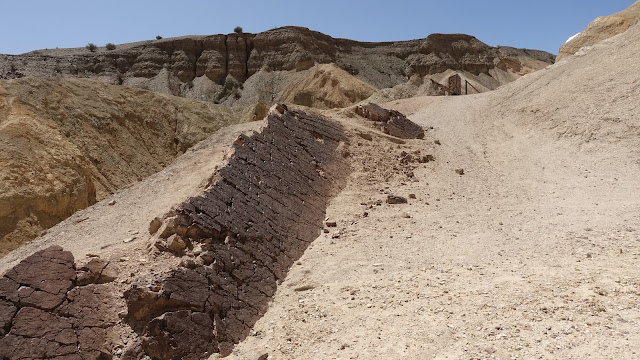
{"points": [[67, 144], [241, 69], [496, 225]]}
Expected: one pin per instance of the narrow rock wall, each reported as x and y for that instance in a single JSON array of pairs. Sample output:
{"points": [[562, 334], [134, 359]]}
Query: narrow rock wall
{"points": [[240, 237]]}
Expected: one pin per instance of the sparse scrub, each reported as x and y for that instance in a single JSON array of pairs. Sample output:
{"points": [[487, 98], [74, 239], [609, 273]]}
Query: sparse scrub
{"points": [[158, 37], [91, 47], [238, 30], [110, 46]]}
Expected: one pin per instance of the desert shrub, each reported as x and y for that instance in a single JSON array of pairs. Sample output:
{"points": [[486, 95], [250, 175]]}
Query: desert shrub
{"points": [[110, 46], [237, 30], [91, 47], [158, 37]]}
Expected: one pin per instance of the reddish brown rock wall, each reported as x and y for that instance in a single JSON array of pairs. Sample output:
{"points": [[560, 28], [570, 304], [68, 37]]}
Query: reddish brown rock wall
{"points": [[243, 232]]}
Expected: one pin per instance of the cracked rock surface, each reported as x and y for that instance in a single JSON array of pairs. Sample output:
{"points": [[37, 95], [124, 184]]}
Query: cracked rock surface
{"points": [[46, 314]]}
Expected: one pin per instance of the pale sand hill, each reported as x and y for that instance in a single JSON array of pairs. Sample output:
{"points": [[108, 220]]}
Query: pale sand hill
{"points": [[531, 254], [600, 29], [323, 86]]}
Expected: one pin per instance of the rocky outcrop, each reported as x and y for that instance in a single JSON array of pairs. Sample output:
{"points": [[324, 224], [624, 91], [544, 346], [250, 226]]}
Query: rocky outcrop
{"points": [[47, 313], [244, 232], [214, 67], [390, 122], [600, 29], [218, 261], [68, 143]]}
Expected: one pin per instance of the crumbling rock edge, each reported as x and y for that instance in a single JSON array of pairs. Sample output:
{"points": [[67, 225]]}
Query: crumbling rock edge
{"points": [[390, 122], [233, 243]]}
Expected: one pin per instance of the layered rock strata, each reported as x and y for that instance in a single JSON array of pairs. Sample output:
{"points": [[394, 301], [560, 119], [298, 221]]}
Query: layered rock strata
{"points": [[215, 67]]}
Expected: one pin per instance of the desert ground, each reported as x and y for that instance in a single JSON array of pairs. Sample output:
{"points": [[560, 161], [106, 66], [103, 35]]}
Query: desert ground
{"points": [[519, 238]]}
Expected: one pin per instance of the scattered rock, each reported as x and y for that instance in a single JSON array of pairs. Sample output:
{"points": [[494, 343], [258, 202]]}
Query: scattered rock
{"points": [[304, 288], [365, 136], [111, 203], [128, 240], [437, 142], [331, 223], [175, 244], [412, 196], [406, 215], [391, 122], [460, 171], [258, 354], [395, 199], [95, 271], [188, 263]]}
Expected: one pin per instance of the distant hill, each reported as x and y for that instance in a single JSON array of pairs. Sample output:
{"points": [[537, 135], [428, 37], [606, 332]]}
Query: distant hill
{"points": [[221, 68]]}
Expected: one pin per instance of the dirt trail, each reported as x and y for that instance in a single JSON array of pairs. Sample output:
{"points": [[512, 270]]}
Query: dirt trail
{"points": [[532, 253]]}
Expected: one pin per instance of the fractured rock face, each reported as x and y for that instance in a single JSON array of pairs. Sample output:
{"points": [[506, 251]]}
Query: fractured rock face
{"points": [[56, 318], [248, 227], [391, 122]]}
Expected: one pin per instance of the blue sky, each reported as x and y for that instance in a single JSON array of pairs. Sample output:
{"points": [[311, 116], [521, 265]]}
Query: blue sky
{"points": [[541, 24]]}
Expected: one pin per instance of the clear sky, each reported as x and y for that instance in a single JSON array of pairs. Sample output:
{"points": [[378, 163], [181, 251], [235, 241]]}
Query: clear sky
{"points": [[539, 24]]}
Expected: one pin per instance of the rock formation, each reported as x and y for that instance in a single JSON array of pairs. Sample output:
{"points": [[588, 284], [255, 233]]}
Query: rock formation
{"points": [[390, 122], [46, 312], [214, 68]]}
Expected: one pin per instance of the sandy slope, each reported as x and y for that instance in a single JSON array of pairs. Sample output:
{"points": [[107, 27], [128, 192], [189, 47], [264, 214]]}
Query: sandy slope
{"points": [[531, 254]]}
